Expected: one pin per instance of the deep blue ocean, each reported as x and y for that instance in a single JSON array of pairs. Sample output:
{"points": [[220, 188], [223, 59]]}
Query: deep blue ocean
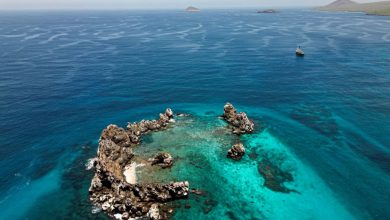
{"points": [[66, 75]]}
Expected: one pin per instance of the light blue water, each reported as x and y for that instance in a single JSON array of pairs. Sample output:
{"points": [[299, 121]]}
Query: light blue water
{"points": [[64, 76]]}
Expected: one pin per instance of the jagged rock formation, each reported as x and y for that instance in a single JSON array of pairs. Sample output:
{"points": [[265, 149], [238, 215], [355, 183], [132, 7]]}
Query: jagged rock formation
{"points": [[114, 187], [236, 152], [163, 159], [109, 188], [136, 129], [239, 121]]}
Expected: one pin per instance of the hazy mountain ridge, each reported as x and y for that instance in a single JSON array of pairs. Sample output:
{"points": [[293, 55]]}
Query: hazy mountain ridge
{"points": [[375, 8]]}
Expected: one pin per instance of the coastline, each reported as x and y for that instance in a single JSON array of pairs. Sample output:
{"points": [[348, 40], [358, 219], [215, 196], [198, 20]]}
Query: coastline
{"points": [[385, 14], [381, 8]]}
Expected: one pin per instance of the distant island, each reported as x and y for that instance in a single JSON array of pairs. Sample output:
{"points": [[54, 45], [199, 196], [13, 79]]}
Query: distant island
{"points": [[192, 9], [268, 11], [373, 8]]}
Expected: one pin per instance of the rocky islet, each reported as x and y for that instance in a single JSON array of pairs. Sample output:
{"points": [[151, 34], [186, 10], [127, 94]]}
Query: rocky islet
{"points": [[239, 122], [236, 152], [114, 188]]}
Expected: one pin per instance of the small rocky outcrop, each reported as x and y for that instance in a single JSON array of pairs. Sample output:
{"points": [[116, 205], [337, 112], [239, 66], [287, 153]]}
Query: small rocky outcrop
{"points": [[163, 159], [109, 189], [239, 121], [136, 129], [236, 152]]}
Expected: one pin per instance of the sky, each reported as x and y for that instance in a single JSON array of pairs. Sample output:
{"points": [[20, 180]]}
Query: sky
{"points": [[156, 4]]}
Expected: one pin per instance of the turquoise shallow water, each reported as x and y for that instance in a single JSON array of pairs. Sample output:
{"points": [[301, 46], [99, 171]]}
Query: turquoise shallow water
{"points": [[235, 190], [64, 76]]}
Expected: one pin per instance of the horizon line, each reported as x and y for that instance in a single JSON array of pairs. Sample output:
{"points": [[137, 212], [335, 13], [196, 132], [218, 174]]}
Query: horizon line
{"points": [[156, 9]]}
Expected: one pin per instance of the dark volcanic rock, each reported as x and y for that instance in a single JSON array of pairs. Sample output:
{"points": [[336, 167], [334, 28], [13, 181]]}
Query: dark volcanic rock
{"points": [[236, 152], [109, 190], [163, 159], [136, 129], [239, 121]]}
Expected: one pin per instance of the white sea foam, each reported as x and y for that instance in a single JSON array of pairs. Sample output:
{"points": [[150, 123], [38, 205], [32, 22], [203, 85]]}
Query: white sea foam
{"points": [[13, 35], [96, 209], [386, 37], [77, 43], [139, 27], [221, 44], [52, 38], [183, 33], [90, 163], [364, 35], [30, 37], [112, 36]]}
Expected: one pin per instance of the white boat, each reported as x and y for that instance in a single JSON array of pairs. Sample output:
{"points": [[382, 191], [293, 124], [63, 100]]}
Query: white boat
{"points": [[299, 52]]}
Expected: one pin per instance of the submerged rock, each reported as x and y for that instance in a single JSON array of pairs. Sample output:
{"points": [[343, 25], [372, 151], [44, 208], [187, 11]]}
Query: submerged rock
{"points": [[120, 196], [197, 192], [236, 152], [239, 121], [163, 159]]}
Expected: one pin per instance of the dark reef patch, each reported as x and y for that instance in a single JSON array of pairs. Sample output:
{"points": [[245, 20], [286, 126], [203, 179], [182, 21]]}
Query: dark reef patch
{"points": [[274, 176]]}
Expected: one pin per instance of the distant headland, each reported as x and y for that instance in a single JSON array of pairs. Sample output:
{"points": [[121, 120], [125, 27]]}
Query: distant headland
{"points": [[373, 8], [192, 9]]}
